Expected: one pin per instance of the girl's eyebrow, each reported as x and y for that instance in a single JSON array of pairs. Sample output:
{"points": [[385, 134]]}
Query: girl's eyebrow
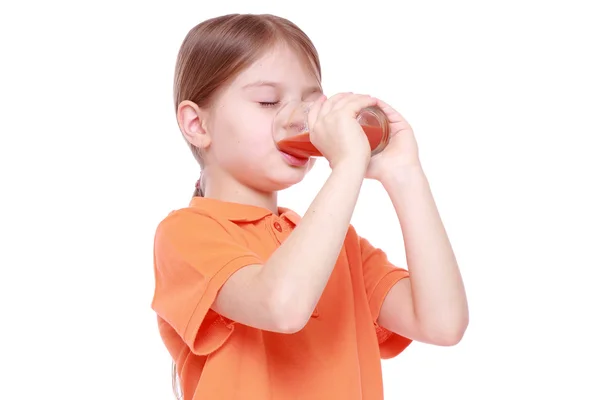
{"points": [[277, 85], [262, 83]]}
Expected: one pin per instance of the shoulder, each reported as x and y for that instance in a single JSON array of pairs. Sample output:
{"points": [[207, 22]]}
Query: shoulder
{"points": [[188, 224], [187, 215]]}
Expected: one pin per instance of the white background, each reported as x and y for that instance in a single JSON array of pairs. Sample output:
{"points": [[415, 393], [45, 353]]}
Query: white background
{"points": [[504, 98]]}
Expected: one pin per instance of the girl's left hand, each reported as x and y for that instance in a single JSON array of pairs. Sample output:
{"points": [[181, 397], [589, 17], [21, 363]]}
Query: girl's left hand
{"points": [[401, 153]]}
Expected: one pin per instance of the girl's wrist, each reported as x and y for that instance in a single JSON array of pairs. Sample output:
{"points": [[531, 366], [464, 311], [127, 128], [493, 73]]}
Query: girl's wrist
{"points": [[403, 177]]}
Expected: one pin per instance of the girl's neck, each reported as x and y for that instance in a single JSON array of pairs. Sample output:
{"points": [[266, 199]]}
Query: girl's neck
{"points": [[225, 188]]}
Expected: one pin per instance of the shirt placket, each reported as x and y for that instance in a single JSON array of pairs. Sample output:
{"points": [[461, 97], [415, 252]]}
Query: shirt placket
{"points": [[280, 228]]}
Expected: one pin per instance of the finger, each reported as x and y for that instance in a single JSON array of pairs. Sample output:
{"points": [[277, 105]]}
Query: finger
{"points": [[392, 115], [338, 96], [344, 101], [331, 102], [358, 103]]}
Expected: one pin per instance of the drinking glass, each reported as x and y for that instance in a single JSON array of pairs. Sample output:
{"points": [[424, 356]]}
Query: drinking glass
{"points": [[292, 136]]}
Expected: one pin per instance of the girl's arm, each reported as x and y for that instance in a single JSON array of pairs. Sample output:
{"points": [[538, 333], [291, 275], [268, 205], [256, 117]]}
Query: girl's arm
{"points": [[430, 306], [281, 295]]}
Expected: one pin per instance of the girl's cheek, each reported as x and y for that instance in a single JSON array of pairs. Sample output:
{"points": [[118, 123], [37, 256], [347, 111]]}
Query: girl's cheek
{"points": [[263, 138]]}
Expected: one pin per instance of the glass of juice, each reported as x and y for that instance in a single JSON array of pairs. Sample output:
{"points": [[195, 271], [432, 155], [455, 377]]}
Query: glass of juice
{"points": [[292, 135]]}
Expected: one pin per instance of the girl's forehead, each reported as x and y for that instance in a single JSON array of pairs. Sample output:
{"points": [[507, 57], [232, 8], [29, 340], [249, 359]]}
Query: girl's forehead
{"points": [[282, 65]]}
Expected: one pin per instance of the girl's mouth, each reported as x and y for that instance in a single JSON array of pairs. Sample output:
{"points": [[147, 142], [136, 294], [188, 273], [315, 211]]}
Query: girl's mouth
{"points": [[293, 160]]}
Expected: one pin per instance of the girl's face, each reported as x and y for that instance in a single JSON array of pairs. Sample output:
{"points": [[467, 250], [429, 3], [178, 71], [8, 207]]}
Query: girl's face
{"points": [[240, 121]]}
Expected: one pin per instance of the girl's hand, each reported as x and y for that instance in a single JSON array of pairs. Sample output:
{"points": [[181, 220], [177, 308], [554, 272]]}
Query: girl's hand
{"points": [[401, 153], [336, 133]]}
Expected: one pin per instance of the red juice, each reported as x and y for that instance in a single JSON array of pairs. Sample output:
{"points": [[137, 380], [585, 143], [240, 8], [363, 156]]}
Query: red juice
{"points": [[301, 147]]}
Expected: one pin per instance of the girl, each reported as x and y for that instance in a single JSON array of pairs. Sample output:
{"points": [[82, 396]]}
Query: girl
{"points": [[254, 302]]}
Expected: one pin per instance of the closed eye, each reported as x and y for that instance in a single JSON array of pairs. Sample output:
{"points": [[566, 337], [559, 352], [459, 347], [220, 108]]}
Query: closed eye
{"points": [[268, 103]]}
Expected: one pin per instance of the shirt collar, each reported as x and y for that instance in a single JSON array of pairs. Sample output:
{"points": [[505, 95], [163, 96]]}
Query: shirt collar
{"points": [[237, 212]]}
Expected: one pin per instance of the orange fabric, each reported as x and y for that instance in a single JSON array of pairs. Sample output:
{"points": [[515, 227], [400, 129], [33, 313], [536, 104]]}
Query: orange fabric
{"points": [[336, 355]]}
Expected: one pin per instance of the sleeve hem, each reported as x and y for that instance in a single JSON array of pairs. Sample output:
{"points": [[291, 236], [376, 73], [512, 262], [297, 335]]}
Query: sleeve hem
{"points": [[390, 343], [382, 288], [219, 332]]}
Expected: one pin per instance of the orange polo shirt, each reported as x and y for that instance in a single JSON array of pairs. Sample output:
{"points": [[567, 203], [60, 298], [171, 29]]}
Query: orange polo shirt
{"points": [[335, 356]]}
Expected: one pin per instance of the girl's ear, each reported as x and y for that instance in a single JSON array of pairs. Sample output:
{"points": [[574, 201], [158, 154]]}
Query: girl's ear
{"points": [[192, 123]]}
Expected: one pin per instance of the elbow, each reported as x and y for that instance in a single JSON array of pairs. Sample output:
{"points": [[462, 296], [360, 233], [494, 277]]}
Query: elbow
{"points": [[290, 326], [288, 314], [448, 339], [449, 335]]}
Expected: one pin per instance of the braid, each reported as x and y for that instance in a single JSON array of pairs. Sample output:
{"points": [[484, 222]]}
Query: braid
{"points": [[199, 191]]}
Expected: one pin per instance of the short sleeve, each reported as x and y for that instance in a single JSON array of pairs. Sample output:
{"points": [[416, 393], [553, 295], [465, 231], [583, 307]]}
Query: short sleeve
{"points": [[380, 275], [194, 255]]}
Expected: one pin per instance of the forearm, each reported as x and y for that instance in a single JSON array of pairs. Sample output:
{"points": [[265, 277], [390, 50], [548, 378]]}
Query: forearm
{"points": [[439, 299], [299, 269]]}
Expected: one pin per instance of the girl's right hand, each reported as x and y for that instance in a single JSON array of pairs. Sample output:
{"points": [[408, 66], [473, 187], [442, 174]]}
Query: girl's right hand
{"points": [[336, 133]]}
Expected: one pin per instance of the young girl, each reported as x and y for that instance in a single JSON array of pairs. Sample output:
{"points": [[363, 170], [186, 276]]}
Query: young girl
{"points": [[254, 302]]}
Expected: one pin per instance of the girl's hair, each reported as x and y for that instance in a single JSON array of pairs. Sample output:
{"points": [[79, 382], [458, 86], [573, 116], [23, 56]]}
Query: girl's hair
{"points": [[217, 50]]}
